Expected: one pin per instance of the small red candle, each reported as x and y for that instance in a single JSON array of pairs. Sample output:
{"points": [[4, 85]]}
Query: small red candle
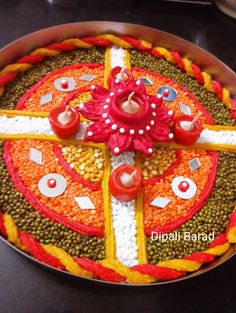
{"points": [[125, 190], [186, 137], [64, 130]]}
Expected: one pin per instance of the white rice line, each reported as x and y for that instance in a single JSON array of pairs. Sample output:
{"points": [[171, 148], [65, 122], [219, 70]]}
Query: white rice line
{"points": [[32, 125], [123, 213], [226, 137]]}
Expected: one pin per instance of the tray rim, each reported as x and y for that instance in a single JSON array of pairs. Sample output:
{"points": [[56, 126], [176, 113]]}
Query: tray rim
{"points": [[205, 60]]}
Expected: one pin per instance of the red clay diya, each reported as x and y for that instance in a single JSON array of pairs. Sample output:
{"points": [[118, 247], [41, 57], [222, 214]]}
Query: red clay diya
{"points": [[125, 182], [119, 73], [187, 129], [126, 117], [65, 121]]}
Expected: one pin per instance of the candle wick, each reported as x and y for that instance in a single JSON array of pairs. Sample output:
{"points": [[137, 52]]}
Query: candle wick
{"points": [[195, 119], [128, 180], [133, 174], [130, 106], [67, 108], [130, 98]]}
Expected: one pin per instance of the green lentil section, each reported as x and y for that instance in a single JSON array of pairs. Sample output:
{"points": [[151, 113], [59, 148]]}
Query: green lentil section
{"points": [[218, 110], [13, 202], [15, 90]]}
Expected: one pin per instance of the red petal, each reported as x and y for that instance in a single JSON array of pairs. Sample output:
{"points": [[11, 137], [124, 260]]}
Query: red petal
{"points": [[163, 117], [161, 111], [99, 93], [139, 88], [160, 133], [99, 133], [121, 141], [157, 101], [117, 86], [92, 111], [142, 143]]}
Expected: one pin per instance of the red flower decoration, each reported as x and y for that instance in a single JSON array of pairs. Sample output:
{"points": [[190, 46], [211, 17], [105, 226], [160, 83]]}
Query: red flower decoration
{"points": [[126, 117]]}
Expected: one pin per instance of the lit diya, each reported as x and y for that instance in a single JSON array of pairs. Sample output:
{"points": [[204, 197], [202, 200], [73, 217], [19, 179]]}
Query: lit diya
{"points": [[125, 116], [65, 121], [125, 182]]}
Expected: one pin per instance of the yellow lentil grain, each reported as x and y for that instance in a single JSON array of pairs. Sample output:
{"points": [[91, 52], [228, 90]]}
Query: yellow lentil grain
{"points": [[86, 161], [161, 160]]}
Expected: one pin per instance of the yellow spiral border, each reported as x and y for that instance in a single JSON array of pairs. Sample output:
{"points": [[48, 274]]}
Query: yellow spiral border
{"points": [[131, 276], [116, 40]]}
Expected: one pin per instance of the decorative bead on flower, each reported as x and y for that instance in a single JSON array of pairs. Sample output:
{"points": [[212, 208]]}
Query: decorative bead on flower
{"points": [[126, 117]]}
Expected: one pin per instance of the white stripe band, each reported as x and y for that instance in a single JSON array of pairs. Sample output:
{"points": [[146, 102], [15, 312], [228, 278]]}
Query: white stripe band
{"points": [[227, 137], [123, 213], [32, 125]]}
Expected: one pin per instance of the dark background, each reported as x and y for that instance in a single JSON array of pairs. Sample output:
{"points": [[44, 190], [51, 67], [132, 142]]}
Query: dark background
{"points": [[25, 287]]}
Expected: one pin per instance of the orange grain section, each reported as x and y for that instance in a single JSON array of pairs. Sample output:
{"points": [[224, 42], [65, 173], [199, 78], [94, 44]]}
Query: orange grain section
{"points": [[154, 216], [33, 101], [31, 172]]}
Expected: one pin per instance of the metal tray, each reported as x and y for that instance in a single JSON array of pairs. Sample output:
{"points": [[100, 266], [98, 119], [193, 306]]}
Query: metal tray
{"points": [[222, 73]]}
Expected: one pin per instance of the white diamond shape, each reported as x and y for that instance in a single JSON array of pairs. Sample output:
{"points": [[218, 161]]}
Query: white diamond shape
{"points": [[45, 99], [184, 108], [160, 202], [194, 164], [36, 156], [146, 81], [84, 203], [87, 77]]}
